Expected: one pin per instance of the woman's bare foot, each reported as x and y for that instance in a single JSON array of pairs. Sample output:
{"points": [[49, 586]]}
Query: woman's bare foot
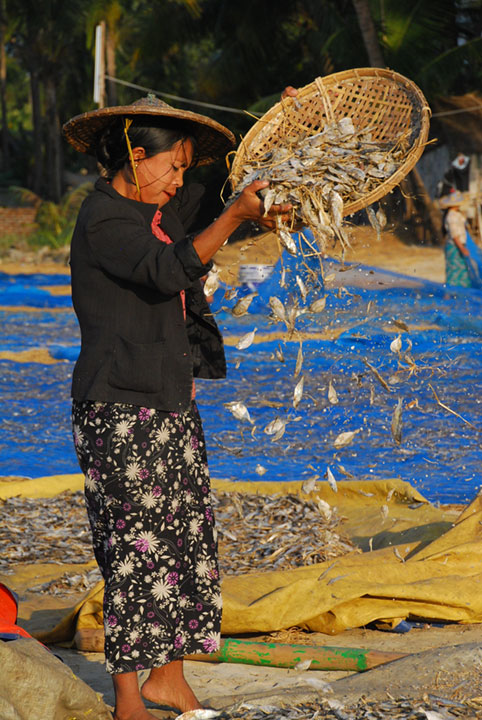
{"points": [[128, 700], [142, 714], [167, 685]]}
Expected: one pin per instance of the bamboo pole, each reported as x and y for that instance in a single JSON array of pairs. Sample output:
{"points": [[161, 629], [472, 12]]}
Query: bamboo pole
{"points": [[267, 654], [284, 655]]}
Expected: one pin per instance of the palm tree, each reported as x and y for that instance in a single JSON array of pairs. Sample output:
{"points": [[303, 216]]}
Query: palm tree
{"points": [[43, 41], [369, 33]]}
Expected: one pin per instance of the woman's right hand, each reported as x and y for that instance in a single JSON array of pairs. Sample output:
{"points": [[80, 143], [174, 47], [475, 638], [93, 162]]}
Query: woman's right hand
{"points": [[247, 206]]}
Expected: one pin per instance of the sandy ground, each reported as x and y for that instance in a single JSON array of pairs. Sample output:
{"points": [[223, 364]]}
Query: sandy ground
{"points": [[443, 661], [388, 252]]}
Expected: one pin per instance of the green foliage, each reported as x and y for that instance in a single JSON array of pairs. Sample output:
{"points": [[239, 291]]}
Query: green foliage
{"points": [[54, 221], [239, 55]]}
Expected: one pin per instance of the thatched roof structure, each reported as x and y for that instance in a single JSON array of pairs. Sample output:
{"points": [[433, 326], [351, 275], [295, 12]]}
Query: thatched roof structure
{"points": [[457, 120]]}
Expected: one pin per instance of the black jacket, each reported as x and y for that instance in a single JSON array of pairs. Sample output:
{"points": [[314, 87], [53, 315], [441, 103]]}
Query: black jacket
{"points": [[136, 346]]}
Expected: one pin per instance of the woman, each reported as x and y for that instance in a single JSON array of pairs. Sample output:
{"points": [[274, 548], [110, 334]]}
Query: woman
{"points": [[146, 332], [457, 254]]}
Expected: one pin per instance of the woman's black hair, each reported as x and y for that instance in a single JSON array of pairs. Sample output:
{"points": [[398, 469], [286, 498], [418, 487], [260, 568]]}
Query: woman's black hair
{"points": [[155, 137]]}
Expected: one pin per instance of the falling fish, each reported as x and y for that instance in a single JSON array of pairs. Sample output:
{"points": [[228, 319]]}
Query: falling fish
{"points": [[299, 361], [246, 340], [275, 428], [241, 307], [298, 392], [278, 308], [396, 345], [331, 480], [239, 411], [212, 283], [318, 306], [286, 237], [309, 485], [396, 425], [279, 355], [302, 287], [332, 396], [374, 221], [260, 470], [345, 438]]}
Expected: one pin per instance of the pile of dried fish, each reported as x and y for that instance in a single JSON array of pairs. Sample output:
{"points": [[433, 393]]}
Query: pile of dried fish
{"points": [[318, 174], [429, 706], [268, 532], [256, 532], [68, 584], [48, 530]]}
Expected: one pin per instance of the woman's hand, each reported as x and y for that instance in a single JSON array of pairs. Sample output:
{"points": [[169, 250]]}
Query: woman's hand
{"points": [[289, 91], [250, 206], [247, 206]]}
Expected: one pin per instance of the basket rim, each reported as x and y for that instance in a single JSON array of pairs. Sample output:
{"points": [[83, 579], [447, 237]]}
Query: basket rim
{"points": [[326, 83]]}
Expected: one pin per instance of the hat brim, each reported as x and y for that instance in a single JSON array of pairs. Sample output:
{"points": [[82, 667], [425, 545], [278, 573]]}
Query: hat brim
{"points": [[452, 200], [213, 139]]}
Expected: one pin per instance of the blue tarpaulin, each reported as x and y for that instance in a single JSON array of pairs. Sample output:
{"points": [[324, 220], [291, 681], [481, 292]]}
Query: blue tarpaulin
{"points": [[436, 375]]}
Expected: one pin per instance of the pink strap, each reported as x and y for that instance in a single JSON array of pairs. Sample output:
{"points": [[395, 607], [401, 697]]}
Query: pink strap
{"points": [[164, 237]]}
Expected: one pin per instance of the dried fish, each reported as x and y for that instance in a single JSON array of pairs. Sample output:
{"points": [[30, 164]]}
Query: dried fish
{"points": [[396, 345], [278, 308], [275, 532], [299, 361], [239, 411], [52, 530], [241, 307], [276, 428], [331, 480], [302, 287], [309, 485], [396, 424], [212, 282], [246, 340], [332, 396], [319, 174], [318, 306], [345, 438], [298, 392]]}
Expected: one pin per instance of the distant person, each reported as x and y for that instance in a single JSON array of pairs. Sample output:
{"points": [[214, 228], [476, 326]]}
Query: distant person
{"points": [[462, 256], [146, 331], [457, 176]]}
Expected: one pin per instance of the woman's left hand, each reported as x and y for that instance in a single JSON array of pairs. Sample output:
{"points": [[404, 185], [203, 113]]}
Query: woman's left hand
{"points": [[249, 206]]}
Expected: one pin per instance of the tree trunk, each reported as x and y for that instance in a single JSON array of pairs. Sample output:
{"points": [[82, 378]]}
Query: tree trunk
{"points": [[432, 214], [369, 33], [3, 89], [54, 153], [38, 165]]}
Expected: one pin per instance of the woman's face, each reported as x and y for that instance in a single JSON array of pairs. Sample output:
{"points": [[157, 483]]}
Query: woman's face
{"points": [[161, 175]]}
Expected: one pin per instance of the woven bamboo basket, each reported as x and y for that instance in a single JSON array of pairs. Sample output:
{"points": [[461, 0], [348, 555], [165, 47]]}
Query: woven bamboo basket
{"points": [[392, 106]]}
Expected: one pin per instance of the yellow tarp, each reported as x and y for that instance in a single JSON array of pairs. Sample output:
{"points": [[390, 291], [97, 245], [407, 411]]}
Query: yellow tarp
{"points": [[425, 562]]}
